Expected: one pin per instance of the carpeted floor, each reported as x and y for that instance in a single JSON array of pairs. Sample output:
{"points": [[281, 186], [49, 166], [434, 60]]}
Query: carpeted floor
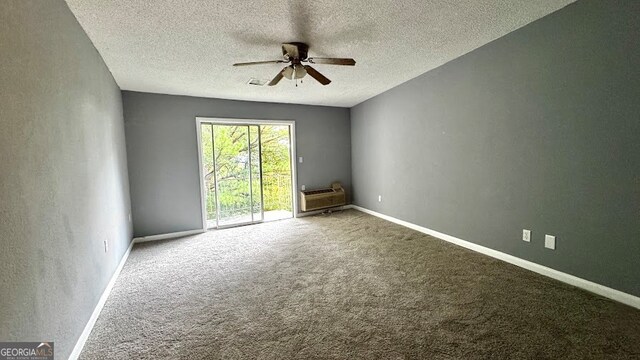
{"points": [[347, 285]]}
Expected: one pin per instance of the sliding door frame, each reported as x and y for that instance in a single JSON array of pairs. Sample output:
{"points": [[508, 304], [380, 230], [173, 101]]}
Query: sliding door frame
{"points": [[244, 122]]}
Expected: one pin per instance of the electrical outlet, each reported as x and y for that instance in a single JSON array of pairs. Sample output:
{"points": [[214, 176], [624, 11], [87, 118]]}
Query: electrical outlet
{"points": [[526, 235], [304, 188], [550, 242], [300, 159], [106, 246], [379, 198]]}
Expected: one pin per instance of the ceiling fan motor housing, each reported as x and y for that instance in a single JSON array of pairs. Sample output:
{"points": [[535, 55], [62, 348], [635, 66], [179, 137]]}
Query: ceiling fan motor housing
{"points": [[295, 50]]}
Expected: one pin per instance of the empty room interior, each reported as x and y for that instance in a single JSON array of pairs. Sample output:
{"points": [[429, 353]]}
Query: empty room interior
{"points": [[360, 179]]}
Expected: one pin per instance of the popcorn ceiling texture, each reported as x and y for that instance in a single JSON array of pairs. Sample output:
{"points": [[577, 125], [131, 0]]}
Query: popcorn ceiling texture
{"points": [[347, 286], [187, 47]]}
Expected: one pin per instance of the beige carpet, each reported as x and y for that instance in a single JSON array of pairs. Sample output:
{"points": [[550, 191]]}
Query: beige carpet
{"points": [[347, 286]]}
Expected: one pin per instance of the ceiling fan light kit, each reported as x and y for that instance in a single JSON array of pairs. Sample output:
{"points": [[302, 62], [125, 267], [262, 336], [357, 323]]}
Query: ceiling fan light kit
{"points": [[296, 54]]}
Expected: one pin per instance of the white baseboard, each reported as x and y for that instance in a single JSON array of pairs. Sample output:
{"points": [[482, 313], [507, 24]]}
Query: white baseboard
{"points": [[590, 286], [168, 236], [77, 349]]}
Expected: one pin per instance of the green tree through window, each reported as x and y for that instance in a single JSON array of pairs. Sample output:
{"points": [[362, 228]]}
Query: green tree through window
{"points": [[232, 168]]}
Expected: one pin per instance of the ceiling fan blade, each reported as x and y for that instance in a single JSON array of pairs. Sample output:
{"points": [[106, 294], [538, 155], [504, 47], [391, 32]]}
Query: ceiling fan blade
{"points": [[316, 75], [333, 61], [277, 79], [259, 62]]}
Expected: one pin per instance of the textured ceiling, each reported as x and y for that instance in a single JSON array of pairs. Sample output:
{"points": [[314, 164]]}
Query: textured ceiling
{"points": [[187, 47]]}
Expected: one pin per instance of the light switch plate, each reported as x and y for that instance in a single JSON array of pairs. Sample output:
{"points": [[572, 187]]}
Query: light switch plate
{"points": [[550, 242], [526, 235]]}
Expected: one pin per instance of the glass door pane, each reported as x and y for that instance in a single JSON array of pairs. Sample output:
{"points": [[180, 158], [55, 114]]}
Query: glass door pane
{"points": [[256, 172], [209, 174], [276, 171], [233, 175]]}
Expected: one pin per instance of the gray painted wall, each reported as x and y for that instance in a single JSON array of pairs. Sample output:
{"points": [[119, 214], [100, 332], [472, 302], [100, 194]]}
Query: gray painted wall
{"points": [[539, 129], [63, 183], [163, 156]]}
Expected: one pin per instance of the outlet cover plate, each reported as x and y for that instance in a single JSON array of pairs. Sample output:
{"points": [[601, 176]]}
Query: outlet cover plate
{"points": [[550, 242], [526, 235]]}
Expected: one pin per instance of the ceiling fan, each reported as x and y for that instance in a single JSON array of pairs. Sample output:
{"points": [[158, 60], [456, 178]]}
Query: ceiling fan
{"points": [[296, 53]]}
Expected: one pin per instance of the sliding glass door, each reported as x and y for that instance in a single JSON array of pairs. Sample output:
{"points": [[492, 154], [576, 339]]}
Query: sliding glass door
{"points": [[236, 186]]}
